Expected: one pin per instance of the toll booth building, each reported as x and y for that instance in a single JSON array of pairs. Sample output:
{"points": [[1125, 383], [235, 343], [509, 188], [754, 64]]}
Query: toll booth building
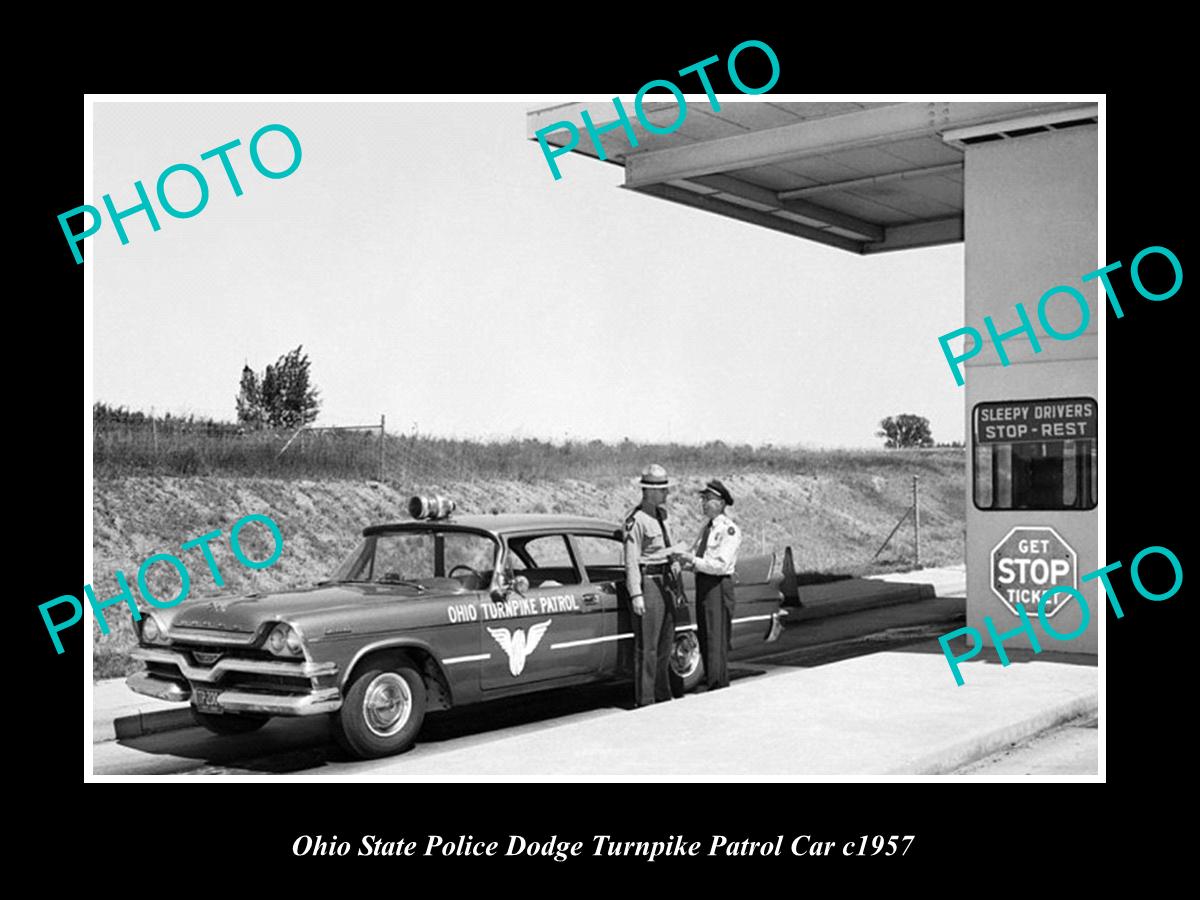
{"points": [[1018, 182]]}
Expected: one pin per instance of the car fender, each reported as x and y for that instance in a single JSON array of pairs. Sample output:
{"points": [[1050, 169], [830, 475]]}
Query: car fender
{"points": [[404, 643]]}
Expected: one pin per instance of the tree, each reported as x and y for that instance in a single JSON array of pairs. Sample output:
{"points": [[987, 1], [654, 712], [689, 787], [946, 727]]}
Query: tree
{"points": [[282, 397], [905, 430], [249, 402]]}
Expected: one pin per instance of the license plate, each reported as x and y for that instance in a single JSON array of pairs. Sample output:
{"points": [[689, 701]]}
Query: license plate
{"points": [[206, 699]]}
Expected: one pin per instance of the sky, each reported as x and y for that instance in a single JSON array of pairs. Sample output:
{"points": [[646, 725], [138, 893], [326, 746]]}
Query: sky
{"points": [[436, 273]]}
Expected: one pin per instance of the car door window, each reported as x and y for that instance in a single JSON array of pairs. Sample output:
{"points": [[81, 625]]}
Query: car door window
{"points": [[547, 560], [602, 557]]}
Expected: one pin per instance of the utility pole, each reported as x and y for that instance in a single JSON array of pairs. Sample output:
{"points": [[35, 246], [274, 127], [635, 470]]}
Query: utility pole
{"points": [[917, 521], [382, 432]]}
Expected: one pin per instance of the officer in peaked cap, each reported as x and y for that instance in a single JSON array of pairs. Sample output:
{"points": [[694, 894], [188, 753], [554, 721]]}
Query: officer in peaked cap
{"points": [[651, 579], [713, 558]]}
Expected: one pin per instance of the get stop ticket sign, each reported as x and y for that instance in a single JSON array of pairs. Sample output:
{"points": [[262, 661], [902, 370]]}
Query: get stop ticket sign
{"points": [[1027, 563]]}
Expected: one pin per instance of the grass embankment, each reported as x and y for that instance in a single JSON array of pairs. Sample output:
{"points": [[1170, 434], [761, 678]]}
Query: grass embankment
{"points": [[833, 507]]}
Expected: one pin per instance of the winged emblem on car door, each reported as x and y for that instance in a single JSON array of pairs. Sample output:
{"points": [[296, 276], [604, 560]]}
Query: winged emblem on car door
{"points": [[518, 645]]}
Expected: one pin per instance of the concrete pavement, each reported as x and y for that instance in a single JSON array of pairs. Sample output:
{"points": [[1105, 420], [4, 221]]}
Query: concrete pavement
{"points": [[891, 713], [1066, 750]]}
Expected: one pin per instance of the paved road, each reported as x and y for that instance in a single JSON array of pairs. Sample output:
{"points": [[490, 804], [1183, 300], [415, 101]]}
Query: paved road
{"points": [[303, 746], [1070, 749]]}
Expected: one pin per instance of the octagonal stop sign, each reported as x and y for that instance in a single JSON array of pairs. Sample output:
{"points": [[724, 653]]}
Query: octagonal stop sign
{"points": [[1027, 563]]}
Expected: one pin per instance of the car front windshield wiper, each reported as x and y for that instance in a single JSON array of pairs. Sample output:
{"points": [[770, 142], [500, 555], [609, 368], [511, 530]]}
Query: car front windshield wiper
{"points": [[404, 583]]}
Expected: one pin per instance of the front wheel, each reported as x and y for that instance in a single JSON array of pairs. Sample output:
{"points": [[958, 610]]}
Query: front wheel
{"points": [[232, 723], [382, 712], [687, 668]]}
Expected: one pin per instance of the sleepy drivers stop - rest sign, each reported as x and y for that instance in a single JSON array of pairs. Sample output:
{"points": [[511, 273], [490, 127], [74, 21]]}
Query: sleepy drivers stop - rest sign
{"points": [[1027, 563]]}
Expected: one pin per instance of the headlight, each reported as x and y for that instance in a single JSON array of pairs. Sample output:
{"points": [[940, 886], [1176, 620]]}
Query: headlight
{"points": [[284, 641], [152, 632]]}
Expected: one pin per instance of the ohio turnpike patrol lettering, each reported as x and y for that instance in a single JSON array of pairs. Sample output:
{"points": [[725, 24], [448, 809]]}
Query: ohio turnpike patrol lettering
{"points": [[517, 606]]}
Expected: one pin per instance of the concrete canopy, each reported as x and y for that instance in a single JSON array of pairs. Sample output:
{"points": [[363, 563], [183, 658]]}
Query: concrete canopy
{"points": [[865, 177]]}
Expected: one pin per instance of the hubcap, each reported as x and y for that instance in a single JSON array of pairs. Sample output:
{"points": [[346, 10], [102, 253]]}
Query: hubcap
{"points": [[387, 704], [685, 658]]}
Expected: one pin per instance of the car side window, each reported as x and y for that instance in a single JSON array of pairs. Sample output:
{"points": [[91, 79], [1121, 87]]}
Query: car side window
{"points": [[602, 557], [547, 560]]}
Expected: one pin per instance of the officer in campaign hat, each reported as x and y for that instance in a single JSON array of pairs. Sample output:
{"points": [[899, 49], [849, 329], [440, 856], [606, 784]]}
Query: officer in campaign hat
{"points": [[652, 580], [713, 558]]}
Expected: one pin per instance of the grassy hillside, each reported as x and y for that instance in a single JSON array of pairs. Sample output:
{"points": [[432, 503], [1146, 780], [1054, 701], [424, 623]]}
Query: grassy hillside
{"points": [[833, 508]]}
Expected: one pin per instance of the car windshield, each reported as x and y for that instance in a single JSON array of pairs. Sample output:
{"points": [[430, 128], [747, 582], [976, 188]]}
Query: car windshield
{"points": [[418, 559]]}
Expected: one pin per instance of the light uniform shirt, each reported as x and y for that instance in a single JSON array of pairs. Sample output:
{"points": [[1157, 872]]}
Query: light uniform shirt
{"points": [[644, 546], [720, 553]]}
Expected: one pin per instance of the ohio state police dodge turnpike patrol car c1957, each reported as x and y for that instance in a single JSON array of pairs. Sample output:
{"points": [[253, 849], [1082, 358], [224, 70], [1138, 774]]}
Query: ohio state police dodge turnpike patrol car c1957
{"points": [[426, 615]]}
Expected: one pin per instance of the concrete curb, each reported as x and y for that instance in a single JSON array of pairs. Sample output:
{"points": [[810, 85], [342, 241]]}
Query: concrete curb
{"points": [[819, 604], [975, 747], [142, 723]]}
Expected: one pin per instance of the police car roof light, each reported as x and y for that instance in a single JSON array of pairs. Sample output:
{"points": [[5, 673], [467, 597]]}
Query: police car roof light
{"points": [[435, 507]]}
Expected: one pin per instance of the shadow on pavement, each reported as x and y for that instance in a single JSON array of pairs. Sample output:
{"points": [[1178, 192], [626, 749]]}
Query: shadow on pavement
{"points": [[292, 745]]}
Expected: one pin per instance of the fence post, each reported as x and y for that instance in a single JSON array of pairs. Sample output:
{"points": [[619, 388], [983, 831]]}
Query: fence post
{"points": [[917, 521], [382, 420]]}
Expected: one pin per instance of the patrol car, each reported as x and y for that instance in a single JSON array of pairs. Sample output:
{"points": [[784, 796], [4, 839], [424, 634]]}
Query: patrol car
{"points": [[443, 611]]}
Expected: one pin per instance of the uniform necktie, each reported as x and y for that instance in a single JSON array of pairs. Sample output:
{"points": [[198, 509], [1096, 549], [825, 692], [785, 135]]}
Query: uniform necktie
{"points": [[702, 546], [661, 515]]}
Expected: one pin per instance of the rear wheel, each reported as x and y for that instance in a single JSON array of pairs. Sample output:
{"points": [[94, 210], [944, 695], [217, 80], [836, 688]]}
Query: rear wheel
{"points": [[230, 723], [687, 668], [382, 711]]}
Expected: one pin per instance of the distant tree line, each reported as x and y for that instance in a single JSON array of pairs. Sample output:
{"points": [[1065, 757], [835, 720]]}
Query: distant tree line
{"points": [[109, 418]]}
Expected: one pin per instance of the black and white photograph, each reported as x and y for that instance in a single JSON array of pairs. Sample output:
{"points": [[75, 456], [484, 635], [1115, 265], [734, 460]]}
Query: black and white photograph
{"points": [[711, 434]]}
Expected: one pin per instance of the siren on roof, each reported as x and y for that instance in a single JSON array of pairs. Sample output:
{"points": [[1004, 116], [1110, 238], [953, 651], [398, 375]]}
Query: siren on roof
{"points": [[435, 507]]}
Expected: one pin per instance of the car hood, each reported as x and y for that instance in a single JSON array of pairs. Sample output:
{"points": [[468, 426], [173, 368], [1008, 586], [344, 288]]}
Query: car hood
{"points": [[246, 613]]}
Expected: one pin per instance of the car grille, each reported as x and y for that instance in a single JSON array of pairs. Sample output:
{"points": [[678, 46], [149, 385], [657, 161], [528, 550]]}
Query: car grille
{"points": [[208, 654]]}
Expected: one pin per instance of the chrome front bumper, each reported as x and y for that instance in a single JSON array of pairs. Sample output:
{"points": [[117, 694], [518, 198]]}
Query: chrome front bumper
{"points": [[232, 700], [316, 702]]}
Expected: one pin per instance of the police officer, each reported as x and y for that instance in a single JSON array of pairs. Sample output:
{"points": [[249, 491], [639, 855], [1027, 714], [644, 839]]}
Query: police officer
{"points": [[713, 558], [650, 577]]}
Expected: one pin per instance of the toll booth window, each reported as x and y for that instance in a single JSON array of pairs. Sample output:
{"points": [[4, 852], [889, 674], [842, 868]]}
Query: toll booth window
{"points": [[1035, 454]]}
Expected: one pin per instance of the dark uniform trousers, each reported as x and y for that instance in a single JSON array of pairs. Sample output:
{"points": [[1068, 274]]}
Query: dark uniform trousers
{"points": [[714, 612], [654, 638]]}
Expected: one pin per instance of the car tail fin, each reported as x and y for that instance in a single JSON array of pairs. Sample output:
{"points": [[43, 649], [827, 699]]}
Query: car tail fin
{"points": [[789, 586]]}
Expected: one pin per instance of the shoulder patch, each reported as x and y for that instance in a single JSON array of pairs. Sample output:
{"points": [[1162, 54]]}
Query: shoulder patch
{"points": [[732, 530]]}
